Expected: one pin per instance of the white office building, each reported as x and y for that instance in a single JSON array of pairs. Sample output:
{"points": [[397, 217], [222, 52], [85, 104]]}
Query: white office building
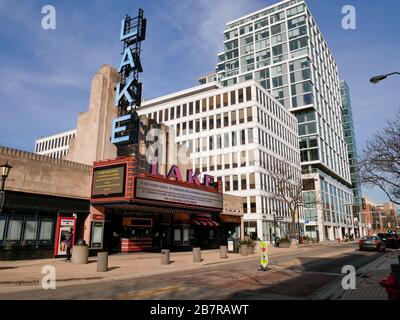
{"points": [[282, 48], [55, 146], [236, 133]]}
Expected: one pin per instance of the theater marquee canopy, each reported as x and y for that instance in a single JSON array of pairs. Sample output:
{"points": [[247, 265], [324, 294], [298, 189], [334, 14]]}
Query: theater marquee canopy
{"points": [[114, 182]]}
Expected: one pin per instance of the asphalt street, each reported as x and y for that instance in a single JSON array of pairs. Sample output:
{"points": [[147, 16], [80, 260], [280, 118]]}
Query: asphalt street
{"points": [[291, 276]]}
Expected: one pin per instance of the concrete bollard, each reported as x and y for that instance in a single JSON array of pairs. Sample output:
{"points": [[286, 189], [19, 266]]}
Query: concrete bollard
{"points": [[196, 255], [243, 249], [223, 252], [165, 257], [80, 254], [102, 261]]}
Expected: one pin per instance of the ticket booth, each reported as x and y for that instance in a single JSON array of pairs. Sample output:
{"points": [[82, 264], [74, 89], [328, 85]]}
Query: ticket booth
{"points": [[137, 234]]}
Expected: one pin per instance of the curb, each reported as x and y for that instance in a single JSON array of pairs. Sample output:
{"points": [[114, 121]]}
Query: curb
{"points": [[37, 281]]}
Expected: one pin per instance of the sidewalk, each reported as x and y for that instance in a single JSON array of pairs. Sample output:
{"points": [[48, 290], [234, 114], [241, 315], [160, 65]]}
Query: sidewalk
{"points": [[368, 278], [28, 272]]}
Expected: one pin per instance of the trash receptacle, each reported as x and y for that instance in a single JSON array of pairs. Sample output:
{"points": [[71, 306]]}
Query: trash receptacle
{"points": [[80, 252]]}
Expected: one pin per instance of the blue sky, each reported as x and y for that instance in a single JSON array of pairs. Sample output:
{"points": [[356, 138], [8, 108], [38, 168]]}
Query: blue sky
{"points": [[45, 75]]}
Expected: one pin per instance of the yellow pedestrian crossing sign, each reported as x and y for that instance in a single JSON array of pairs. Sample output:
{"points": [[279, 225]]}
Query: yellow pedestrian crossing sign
{"points": [[264, 254]]}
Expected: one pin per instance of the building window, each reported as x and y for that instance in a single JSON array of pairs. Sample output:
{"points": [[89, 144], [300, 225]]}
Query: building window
{"points": [[211, 123], [190, 108], [226, 161], [243, 137], [234, 141], [243, 182], [248, 93], [252, 181], [234, 160], [249, 114], [210, 103], [233, 98], [226, 140], [226, 119], [235, 183], [240, 95], [225, 98], [227, 183], [218, 101], [233, 118]]}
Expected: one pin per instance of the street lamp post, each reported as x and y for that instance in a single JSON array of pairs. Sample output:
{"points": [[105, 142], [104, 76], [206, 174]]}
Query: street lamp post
{"points": [[379, 78], [4, 172]]}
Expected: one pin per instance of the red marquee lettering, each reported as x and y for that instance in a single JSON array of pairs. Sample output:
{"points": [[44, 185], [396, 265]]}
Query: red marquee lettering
{"points": [[175, 172], [192, 178]]}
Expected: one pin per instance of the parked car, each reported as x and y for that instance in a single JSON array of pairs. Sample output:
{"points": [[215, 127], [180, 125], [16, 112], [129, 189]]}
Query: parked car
{"points": [[371, 243], [389, 239]]}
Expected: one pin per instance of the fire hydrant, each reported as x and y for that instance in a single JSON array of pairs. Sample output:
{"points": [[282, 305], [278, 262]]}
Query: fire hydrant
{"points": [[392, 287]]}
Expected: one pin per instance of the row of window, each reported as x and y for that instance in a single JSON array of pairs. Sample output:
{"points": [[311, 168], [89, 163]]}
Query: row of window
{"points": [[57, 154], [220, 141], [224, 161], [336, 204], [259, 21], [283, 115], [202, 105], [270, 163], [274, 145], [54, 143], [26, 230], [218, 121]]}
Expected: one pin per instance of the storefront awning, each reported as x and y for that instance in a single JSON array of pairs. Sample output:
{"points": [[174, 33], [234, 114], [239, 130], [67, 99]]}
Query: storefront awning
{"points": [[205, 222]]}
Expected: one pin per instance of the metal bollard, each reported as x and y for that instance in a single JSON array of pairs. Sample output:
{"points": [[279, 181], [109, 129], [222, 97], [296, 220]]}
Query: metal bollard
{"points": [[223, 252], [102, 261], [196, 255], [165, 257]]}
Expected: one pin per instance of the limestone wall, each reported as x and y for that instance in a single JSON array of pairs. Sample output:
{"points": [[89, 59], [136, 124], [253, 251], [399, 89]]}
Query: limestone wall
{"points": [[33, 173]]}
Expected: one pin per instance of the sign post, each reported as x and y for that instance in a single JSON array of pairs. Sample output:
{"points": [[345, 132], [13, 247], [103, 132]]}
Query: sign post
{"points": [[264, 255]]}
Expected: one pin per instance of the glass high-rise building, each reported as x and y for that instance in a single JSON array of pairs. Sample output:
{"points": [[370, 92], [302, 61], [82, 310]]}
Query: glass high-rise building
{"points": [[282, 48], [350, 139]]}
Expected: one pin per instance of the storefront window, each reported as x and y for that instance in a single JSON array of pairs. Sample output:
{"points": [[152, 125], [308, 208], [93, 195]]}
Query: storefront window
{"points": [[185, 235], [177, 235], [250, 229], [46, 228], [2, 227], [14, 230], [30, 230]]}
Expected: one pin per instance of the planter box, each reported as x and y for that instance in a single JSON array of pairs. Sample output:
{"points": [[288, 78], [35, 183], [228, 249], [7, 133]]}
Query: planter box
{"points": [[250, 250]]}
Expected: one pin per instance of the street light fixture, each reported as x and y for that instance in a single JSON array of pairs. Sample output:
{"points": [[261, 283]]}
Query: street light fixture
{"points": [[379, 78], [4, 172]]}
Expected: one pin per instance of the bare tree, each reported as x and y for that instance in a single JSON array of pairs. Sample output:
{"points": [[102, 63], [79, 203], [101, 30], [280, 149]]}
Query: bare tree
{"points": [[288, 187], [380, 165]]}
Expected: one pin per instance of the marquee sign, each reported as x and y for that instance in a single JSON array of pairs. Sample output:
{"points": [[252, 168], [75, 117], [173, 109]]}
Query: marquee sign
{"points": [[163, 191], [128, 95], [109, 181]]}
